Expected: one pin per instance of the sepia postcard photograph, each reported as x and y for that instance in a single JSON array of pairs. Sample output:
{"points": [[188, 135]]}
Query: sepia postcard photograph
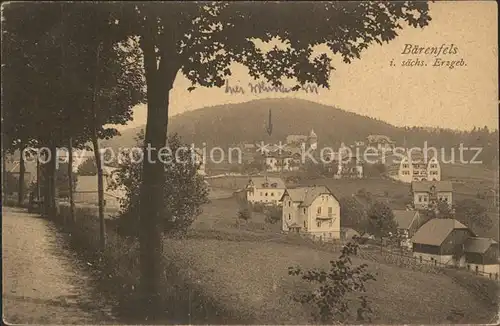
{"points": [[250, 163]]}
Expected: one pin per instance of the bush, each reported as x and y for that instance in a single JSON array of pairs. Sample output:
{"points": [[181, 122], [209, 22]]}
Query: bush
{"points": [[331, 298], [274, 215], [244, 214], [258, 207]]}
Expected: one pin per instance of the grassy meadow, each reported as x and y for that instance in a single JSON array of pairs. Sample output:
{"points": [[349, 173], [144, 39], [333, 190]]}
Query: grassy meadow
{"points": [[243, 265]]}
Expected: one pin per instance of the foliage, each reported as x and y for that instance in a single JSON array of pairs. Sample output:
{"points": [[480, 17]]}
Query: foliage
{"points": [[443, 210], [353, 214], [274, 214], [472, 214], [184, 190], [331, 298], [373, 170], [87, 167], [258, 207], [381, 221], [244, 213]]}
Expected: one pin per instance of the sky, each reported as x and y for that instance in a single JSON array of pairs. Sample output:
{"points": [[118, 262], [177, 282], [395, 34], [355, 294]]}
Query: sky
{"points": [[458, 98]]}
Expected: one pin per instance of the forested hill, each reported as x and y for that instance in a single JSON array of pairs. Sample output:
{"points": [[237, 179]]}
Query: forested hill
{"points": [[224, 125]]}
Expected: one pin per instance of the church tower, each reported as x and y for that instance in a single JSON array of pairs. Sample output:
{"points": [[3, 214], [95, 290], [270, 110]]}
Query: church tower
{"points": [[313, 139]]}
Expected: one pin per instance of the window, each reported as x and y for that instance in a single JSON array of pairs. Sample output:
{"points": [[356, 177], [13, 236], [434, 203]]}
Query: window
{"points": [[304, 223], [304, 210], [289, 216], [289, 203], [319, 210], [420, 199], [318, 224], [272, 194], [266, 193], [425, 199], [330, 211], [405, 166]]}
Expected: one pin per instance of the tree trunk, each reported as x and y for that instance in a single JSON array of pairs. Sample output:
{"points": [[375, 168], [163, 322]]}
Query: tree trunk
{"points": [[159, 82], [97, 154], [70, 181], [100, 191], [50, 197], [151, 201], [38, 179], [4, 172], [22, 170]]}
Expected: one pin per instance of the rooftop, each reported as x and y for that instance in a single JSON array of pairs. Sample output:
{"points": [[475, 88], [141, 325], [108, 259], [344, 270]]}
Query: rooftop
{"points": [[478, 245], [306, 195], [425, 186], [435, 231], [268, 182]]}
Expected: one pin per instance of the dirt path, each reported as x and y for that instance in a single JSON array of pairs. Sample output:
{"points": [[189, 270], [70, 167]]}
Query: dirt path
{"points": [[42, 282]]}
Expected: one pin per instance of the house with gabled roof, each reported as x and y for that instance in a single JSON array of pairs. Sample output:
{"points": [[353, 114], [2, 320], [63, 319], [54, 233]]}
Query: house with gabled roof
{"points": [[313, 210], [427, 194], [441, 240], [408, 222], [265, 190], [482, 255]]}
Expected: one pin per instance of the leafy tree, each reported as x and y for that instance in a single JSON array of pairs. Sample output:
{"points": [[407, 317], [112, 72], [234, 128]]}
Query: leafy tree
{"points": [[381, 221], [58, 72], [443, 210], [353, 213], [184, 190], [332, 299], [472, 214]]}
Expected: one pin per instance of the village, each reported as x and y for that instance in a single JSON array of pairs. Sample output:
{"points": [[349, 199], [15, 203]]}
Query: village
{"points": [[264, 163], [314, 211]]}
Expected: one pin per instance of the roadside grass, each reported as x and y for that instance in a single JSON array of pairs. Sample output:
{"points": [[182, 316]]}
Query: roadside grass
{"points": [[115, 272]]}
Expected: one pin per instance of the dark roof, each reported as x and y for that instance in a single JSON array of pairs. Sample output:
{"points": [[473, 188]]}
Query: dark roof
{"points": [[404, 218], [478, 245], [425, 186], [435, 231]]}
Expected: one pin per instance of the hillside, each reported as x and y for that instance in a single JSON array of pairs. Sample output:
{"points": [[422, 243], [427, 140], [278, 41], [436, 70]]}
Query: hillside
{"points": [[224, 125]]}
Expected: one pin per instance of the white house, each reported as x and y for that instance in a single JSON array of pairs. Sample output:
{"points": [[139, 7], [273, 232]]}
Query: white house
{"points": [[314, 211], [409, 168], [427, 194], [266, 190]]}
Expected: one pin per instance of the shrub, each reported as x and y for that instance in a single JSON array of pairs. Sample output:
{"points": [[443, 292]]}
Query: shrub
{"points": [[274, 215], [244, 214], [258, 207], [330, 299]]}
